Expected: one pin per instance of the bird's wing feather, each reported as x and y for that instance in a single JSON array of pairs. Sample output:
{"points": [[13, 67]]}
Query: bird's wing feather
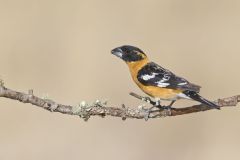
{"points": [[154, 75]]}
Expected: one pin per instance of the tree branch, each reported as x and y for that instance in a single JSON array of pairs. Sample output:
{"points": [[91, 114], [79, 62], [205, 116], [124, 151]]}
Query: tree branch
{"points": [[98, 108]]}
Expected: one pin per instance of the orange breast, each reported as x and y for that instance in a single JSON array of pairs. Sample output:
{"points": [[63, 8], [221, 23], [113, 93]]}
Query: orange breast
{"points": [[153, 91]]}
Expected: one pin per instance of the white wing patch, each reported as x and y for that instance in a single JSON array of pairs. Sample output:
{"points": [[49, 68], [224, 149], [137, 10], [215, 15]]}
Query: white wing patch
{"points": [[181, 84], [162, 83], [147, 76]]}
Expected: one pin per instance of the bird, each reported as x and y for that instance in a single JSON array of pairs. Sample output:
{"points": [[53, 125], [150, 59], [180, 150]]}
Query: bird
{"points": [[156, 81]]}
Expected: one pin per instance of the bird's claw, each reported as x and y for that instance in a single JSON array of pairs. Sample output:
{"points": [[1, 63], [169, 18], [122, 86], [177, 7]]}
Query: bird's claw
{"points": [[164, 107], [163, 111], [148, 111]]}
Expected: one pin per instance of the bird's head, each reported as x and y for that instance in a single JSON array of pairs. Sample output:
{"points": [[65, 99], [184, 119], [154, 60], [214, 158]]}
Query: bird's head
{"points": [[129, 53]]}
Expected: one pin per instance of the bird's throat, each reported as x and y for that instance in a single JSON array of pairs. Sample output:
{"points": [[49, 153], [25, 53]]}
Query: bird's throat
{"points": [[138, 64], [134, 67]]}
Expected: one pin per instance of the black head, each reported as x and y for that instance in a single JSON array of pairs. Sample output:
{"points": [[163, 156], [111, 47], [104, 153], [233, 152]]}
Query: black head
{"points": [[129, 53]]}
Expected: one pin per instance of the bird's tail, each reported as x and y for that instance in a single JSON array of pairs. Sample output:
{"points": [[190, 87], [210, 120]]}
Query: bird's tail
{"points": [[195, 96]]}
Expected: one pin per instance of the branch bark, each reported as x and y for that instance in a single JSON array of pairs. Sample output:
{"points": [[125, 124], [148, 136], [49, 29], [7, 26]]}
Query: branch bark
{"points": [[98, 108]]}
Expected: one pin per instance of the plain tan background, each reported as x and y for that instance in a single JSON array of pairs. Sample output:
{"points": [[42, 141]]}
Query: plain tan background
{"points": [[62, 48]]}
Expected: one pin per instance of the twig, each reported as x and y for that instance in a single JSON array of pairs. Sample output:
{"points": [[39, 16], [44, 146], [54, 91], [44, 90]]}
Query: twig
{"points": [[85, 110], [224, 102]]}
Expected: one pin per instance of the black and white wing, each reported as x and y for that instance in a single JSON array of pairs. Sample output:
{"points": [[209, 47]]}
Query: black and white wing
{"points": [[154, 75]]}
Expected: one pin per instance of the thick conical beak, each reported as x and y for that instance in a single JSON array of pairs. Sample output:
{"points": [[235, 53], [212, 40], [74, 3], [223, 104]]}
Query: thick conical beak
{"points": [[117, 52]]}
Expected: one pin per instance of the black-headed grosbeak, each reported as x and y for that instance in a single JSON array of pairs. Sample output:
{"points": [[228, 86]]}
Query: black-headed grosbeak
{"points": [[157, 81]]}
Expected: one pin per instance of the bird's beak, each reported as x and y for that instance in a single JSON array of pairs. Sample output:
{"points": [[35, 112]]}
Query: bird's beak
{"points": [[117, 52]]}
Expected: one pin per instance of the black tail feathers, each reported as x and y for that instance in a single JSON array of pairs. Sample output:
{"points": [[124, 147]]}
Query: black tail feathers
{"points": [[195, 96]]}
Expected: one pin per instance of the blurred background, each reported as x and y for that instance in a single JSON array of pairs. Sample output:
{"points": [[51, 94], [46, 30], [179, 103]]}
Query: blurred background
{"points": [[62, 48]]}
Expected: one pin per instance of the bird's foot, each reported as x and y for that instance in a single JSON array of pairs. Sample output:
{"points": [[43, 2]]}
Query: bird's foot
{"points": [[164, 107], [150, 110], [169, 107], [163, 111]]}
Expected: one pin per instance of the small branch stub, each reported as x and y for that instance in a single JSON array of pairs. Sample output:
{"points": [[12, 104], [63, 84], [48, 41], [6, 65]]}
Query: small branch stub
{"points": [[1, 83]]}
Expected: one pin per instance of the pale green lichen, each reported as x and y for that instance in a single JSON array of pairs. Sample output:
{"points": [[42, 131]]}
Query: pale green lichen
{"points": [[100, 103], [151, 111], [141, 107], [82, 109], [45, 96]]}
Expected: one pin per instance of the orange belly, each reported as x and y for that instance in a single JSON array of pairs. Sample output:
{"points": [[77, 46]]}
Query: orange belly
{"points": [[157, 92]]}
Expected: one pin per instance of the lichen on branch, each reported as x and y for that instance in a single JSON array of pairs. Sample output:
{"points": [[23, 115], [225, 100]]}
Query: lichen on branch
{"points": [[99, 108]]}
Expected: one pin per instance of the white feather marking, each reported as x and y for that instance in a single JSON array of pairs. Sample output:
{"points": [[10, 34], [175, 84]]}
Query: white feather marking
{"points": [[164, 79], [161, 84], [181, 84], [147, 76], [181, 95]]}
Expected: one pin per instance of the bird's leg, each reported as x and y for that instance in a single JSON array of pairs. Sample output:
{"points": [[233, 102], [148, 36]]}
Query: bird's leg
{"points": [[160, 107], [169, 107], [156, 104]]}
